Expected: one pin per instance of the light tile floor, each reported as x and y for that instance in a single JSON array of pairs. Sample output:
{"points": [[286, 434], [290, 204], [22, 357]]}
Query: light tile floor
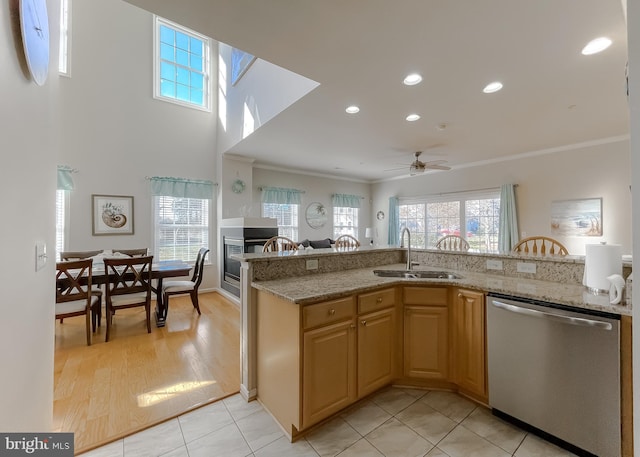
{"points": [[394, 422]]}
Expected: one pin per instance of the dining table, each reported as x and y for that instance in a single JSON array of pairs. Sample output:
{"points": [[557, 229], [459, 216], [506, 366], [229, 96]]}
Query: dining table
{"points": [[159, 271]]}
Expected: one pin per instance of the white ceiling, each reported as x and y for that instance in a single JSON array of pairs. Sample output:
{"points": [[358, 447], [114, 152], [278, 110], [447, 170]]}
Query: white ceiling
{"points": [[360, 50]]}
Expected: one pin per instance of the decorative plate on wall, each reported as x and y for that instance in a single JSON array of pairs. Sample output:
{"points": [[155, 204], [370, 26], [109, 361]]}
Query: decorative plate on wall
{"points": [[380, 215], [238, 186], [316, 215]]}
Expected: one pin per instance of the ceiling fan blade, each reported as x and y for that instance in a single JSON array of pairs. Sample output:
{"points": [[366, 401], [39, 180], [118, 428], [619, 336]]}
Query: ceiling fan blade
{"points": [[436, 167]]}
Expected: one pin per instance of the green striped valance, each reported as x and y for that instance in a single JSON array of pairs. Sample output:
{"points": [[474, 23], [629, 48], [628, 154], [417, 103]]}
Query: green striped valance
{"points": [[281, 196], [181, 187], [65, 182], [346, 200]]}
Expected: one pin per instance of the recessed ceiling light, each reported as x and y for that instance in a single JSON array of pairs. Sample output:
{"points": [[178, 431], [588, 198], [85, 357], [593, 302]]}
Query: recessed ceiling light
{"points": [[492, 87], [353, 109], [413, 117], [412, 79], [596, 46]]}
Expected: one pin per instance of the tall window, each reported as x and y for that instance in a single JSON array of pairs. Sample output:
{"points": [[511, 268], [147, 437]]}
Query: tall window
{"points": [[473, 215], [345, 221], [286, 215], [182, 73], [181, 227], [61, 204], [64, 51]]}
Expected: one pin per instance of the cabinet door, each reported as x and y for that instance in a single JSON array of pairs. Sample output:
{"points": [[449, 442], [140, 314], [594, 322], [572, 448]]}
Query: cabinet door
{"points": [[329, 371], [376, 350], [470, 341], [426, 342]]}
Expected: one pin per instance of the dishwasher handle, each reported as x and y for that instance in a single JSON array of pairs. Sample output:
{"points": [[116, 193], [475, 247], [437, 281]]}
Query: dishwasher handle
{"points": [[555, 317]]}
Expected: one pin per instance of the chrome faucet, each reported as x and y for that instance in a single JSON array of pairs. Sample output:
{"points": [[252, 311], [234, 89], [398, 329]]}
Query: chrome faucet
{"points": [[405, 229]]}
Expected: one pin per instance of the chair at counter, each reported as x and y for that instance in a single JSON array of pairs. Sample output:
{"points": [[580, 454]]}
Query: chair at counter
{"points": [[279, 243]]}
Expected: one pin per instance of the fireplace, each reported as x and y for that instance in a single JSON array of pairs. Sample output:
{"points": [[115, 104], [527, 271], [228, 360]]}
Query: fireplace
{"points": [[241, 236]]}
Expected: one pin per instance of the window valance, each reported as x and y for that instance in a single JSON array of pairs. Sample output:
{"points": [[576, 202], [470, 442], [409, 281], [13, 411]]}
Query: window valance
{"points": [[281, 195], [65, 181], [346, 200], [181, 187]]}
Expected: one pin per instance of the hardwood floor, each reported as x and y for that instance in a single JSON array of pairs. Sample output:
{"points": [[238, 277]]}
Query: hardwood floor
{"points": [[109, 390]]}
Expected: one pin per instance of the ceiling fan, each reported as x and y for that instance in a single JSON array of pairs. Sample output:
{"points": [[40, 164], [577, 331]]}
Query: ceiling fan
{"points": [[418, 166]]}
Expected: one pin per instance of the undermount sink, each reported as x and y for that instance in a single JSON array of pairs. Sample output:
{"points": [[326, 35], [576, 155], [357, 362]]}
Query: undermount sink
{"points": [[414, 274]]}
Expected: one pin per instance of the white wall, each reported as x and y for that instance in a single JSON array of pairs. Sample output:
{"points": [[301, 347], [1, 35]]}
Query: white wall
{"points": [[586, 172], [29, 124], [316, 189], [113, 130]]}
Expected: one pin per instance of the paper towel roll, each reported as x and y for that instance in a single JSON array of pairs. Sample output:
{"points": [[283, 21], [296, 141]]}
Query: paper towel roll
{"points": [[601, 260]]}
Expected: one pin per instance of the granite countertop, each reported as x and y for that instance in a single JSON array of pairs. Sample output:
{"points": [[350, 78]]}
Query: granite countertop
{"points": [[328, 286]]}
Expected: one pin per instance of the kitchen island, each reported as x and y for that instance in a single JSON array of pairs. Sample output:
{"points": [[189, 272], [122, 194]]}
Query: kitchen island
{"points": [[308, 318]]}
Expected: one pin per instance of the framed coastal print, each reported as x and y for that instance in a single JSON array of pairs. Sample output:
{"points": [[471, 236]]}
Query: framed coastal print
{"points": [[112, 215], [581, 217]]}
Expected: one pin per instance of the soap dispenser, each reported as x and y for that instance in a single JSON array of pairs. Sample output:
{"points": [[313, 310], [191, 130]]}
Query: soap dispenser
{"points": [[628, 289]]}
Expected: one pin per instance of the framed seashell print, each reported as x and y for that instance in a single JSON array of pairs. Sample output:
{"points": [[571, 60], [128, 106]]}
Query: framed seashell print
{"points": [[112, 215]]}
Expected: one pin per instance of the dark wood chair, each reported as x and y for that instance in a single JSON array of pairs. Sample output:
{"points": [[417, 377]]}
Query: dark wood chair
{"points": [[279, 243], [73, 292], [96, 318], [346, 242], [128, 286], [131, 252], [187, 287]]}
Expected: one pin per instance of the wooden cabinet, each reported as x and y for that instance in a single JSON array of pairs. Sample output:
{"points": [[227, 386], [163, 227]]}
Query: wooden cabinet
{"points": [[376, 324], [329, 371], [469, 342], [426, 333]]}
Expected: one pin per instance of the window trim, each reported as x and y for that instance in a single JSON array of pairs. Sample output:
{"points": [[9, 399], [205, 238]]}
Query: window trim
{"points": [[208, 96]]}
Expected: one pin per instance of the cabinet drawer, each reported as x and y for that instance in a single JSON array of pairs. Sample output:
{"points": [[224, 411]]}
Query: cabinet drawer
{"points": [[376, 300], [327, 312], [434, 296]]}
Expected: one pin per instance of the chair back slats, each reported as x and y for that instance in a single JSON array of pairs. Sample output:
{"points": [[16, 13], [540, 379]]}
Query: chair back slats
{"points": [[128, 275], [346, 242], [452, 243], [198, 268], [73, 280], [540, 246], [279, 243]]}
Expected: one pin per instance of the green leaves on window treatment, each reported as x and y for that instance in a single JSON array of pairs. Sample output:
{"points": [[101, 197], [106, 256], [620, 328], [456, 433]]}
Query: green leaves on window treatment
{"points": [[181, 187]]}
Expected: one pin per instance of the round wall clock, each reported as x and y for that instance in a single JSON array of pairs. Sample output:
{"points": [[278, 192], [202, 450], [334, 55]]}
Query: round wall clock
{"points": [[34, 25], [380, 215]]}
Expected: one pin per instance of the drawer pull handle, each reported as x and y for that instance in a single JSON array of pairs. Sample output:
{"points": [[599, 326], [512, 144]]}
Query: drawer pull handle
{"points": [[332, 312], [364, 323], [352, 326], [379, 300], [459, 295]]}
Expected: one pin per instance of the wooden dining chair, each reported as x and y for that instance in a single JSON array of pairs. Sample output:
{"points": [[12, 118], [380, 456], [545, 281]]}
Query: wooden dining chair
{"points": [[73, 292], [279, 243], [187, 287], [346, 242], [540, 246], [96, 318], [128, 286], [452, 243], [131, 252]]}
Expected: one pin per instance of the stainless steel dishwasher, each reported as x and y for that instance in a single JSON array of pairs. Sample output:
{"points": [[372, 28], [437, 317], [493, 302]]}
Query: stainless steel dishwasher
{"points": [[557, 370]]}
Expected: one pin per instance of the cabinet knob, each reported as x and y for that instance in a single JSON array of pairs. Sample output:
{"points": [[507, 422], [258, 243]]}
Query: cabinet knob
{"points": [[459, 295], [332, 312], [364, 323], [379, 300]]}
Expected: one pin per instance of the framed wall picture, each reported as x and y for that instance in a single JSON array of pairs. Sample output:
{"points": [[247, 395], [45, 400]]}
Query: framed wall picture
{"points": [[581, 217], [112, 215]]}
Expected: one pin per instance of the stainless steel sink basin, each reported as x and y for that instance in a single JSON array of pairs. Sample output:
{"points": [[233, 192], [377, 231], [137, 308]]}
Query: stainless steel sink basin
{"points": [[416, 274]]}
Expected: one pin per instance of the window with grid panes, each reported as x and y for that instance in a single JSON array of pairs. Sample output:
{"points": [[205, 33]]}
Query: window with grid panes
{"points": [[181, 227], [345, 221], [182, 72], [287, 217], [473, 215]]}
